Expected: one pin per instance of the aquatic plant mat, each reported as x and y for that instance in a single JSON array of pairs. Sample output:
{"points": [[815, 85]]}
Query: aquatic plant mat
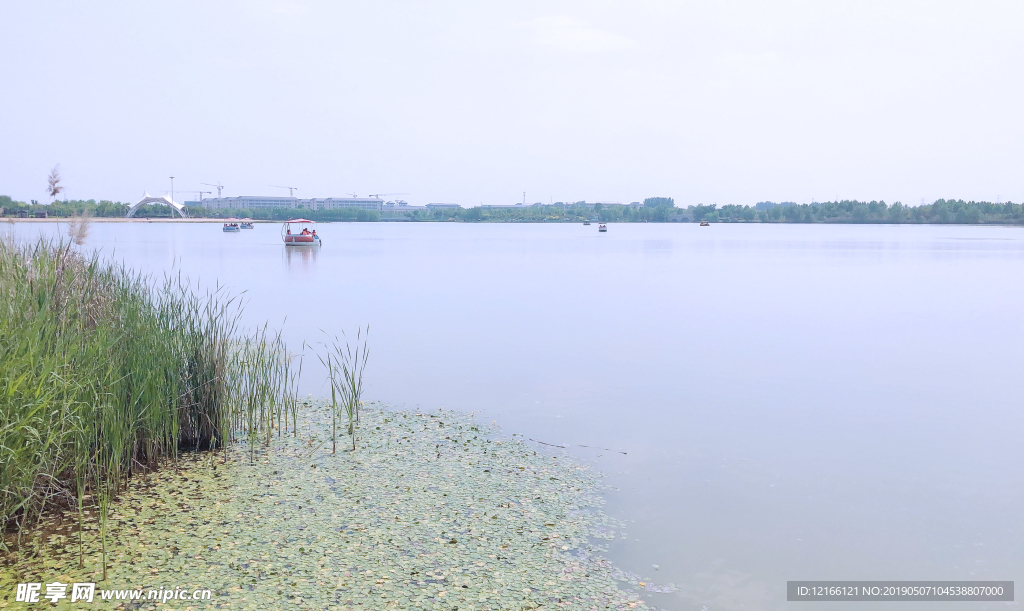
{"points": [[432, 511]]}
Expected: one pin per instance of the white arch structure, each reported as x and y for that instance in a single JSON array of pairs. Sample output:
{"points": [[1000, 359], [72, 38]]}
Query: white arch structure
{"points": [[164, 200]]}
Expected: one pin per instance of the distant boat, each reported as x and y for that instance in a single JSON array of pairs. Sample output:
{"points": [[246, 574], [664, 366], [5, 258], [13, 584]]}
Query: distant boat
{"points": [[304, 233], [587, 222], [247, 224], [705, 224], [602, 228], [231, 226]]}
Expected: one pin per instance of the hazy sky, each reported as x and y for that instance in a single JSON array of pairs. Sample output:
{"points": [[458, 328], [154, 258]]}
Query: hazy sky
{"points": [[469, 102]]}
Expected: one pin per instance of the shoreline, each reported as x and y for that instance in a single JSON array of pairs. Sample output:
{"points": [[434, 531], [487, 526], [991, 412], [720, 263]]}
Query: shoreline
{"points": [[118, 219], [107, 219], [432, 510]]}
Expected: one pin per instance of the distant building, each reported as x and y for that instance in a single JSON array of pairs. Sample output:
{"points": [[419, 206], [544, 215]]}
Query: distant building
{"points": [[333, 203], [401, 206], [254, 202], [400, 210], [41, 215], [435, 207], [590, 205]]}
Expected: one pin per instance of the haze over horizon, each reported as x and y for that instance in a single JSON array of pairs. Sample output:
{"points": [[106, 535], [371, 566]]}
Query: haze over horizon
{"points": [[728, 103]]}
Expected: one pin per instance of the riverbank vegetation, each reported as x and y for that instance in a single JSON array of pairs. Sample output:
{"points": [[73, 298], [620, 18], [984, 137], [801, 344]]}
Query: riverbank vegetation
{"points": [[109, 209], [847, 211], [69, 209], [105, 373], [345, 369], [653, 209], [942, 211]]}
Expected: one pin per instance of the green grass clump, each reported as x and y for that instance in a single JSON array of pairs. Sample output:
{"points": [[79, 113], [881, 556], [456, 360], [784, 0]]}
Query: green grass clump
{"points": [[104, 372], [345, 370]]}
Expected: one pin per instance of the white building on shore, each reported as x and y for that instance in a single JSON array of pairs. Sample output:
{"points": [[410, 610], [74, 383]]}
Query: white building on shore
{"points": [[254, 202], [439, 207]]}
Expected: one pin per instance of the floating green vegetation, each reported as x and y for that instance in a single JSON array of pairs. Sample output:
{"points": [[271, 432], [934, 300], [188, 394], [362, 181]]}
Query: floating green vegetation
{"points": [[432, 512], [104, 372]]}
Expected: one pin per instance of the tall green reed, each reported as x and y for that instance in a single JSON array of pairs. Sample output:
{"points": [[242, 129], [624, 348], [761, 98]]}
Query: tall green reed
{"points": [[104, 372], [345, 369], [260, 376]]}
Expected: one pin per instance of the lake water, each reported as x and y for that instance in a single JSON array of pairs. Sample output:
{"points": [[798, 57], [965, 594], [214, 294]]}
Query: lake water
{"points": [[794, 401]]}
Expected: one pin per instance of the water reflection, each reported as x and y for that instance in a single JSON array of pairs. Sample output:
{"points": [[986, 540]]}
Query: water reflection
{"points": [[657, 247], [300, 257]]}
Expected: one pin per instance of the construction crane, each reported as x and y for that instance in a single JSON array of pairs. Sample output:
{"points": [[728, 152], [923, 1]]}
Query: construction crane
{"points": [[219, 186], [200, 193], [291, 190], [383, 194]]}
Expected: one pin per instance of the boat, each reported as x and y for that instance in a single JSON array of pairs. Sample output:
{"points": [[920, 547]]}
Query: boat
{"points": [[300, 232], [247, 224], [231, 226], [602, 228], [587, 222], [705, 224]]}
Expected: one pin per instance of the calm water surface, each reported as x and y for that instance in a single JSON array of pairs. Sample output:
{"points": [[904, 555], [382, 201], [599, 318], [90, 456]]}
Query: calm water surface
{"points": [[794, 402]]}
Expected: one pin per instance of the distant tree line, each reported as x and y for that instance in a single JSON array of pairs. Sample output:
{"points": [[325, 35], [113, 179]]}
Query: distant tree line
{"points": [[104, 208], [846, 211], [109, 209], [655, 210], [956, 211]]}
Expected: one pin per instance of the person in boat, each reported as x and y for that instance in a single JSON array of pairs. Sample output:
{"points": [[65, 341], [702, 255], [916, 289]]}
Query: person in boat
{"points": [[289, 232], [314, 234]]}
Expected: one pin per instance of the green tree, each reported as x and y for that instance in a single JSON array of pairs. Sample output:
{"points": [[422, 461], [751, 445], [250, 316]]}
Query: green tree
{"points": [[658, 202], [701, 212]]}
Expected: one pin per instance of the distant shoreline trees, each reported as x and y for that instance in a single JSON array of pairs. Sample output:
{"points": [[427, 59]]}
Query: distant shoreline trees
{"points": [[942, 211], [658, 202], [655, 210]]}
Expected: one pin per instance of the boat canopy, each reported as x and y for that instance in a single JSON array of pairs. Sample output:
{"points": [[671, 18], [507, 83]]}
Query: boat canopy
{"points": [[300, 221]]}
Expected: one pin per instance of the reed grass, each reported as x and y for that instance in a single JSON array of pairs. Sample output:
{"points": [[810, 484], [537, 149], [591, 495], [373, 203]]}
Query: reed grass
{"points": [[104, 372], [345, 369], [78, 227]]}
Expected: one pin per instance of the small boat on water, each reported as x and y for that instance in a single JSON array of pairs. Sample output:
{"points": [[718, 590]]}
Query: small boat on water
{"points": [[705, 224], [231, 226], [247, 224], [602, 228], [587, 222], [300, 232]]}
